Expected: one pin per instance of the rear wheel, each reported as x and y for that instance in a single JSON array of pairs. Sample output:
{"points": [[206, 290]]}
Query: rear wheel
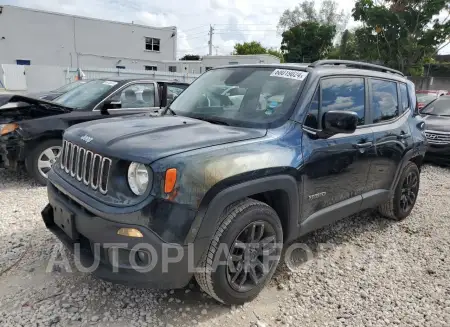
{"points": [[41, 159], [405, 195], [243, 254]]}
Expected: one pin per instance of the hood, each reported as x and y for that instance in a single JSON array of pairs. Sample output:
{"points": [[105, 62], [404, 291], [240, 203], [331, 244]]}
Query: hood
{"points": [[146, 139], [15, 108], [49, 96], [437, 123]]}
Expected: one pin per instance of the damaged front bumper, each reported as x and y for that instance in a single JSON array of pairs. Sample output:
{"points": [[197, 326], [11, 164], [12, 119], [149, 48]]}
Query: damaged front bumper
{"points": [[10, 152]]}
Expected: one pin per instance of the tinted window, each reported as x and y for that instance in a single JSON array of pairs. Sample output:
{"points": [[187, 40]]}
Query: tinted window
{"points": [[343, 93], [384, 100], [404, 96]]}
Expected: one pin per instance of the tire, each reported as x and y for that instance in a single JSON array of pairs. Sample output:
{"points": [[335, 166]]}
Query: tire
{"points": [[395, 209], [32, 165], [238, 222]]}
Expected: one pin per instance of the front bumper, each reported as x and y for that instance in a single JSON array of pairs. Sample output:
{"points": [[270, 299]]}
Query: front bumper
{"points": [[93, 237], [438, 153], [9, 153]]}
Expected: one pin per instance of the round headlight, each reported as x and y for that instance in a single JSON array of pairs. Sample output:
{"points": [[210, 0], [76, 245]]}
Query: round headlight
{"points": [[138, 178]]}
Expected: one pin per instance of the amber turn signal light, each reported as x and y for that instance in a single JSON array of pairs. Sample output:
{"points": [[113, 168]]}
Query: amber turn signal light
{"points": [[8, 128], [130, 232], [171, 179]]}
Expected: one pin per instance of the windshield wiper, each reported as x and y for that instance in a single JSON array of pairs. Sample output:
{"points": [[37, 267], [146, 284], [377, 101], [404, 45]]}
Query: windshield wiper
{"points": [[169, 109], [212, 121]]}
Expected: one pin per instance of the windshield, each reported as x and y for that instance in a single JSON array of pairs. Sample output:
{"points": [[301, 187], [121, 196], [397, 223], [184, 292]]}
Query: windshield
{"points": [[440, 107], [426, 97], [70, 86], [241, 95], [86, 94]]}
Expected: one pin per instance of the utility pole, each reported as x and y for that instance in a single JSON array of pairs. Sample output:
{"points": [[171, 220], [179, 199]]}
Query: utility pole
{"points": [[211, 31]]}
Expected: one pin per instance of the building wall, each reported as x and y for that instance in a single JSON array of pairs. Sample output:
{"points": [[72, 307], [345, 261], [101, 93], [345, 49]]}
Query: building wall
{"points": [[47, 38]]}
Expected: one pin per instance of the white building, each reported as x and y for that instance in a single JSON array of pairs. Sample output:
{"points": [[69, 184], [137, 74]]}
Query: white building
{"points": [[35, 37]]}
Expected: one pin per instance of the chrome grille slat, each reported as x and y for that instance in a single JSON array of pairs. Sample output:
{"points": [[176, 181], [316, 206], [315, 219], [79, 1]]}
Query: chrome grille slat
{"points": [[86, 166], [437, 137]]}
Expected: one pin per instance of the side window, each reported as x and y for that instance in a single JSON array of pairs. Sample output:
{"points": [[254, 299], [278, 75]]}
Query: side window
{"points": [[343, 93], [384, 100], [404, 96], [413, 98], [136, 96], [312, 118]]}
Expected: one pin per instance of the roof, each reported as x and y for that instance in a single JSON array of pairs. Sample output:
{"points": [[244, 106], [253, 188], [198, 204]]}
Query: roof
{"points": [[326, 69]]}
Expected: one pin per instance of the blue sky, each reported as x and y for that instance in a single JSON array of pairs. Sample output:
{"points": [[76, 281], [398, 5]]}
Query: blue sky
{"points": [[234, 20]]}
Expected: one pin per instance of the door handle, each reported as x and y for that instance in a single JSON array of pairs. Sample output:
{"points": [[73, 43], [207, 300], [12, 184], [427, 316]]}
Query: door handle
{"points": [[404, 135], [363, 145]]}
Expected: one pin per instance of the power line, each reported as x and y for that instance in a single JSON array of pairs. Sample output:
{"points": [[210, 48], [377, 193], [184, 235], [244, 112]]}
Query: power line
{"points": [[194, 28]]}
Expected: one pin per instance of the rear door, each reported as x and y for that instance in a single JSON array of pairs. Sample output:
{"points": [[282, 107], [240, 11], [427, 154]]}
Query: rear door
{"points": [[390, 108]]}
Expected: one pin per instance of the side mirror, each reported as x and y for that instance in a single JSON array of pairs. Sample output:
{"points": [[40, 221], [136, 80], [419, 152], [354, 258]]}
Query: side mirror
{"points": [[335, 122], [110, 104]]}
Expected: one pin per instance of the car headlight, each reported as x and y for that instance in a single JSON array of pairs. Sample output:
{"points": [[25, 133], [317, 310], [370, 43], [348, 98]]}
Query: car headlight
{"points": [[8, 128], [139, 178]]}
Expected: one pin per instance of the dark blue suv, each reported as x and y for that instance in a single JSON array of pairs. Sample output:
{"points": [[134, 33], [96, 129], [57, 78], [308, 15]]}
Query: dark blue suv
{"points": [[246, 159]]}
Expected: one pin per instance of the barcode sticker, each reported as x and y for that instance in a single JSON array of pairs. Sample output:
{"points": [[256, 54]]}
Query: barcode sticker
{"points": [[288, 73]]}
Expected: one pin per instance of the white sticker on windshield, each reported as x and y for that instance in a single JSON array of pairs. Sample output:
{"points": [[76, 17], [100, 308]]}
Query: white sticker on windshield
{"points": [[110, 83], [288, 73]]}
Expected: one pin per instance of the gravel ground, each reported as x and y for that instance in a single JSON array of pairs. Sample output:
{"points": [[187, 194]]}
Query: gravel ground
{"points": [[365, 271]]}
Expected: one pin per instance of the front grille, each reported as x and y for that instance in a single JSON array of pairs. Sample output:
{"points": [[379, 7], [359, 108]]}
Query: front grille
{"points": [[86, 166], [437, 137]]}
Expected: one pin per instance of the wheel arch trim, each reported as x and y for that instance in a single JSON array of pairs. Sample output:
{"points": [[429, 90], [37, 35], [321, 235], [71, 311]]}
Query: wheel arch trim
{"points": [[208, 216]]}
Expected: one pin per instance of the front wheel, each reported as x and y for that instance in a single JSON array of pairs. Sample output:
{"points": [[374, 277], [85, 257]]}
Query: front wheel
{"points": [[243, 254], [42, 157], [405, 194]]}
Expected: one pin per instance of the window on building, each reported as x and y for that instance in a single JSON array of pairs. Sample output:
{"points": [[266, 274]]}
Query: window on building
{"points": [[173, 69], [23, 62], [120, 67], [154, 68], [384, 100], [152, 44]]}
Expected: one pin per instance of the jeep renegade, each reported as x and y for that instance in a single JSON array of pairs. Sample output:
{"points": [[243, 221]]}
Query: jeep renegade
{"points": [[248, 157]]}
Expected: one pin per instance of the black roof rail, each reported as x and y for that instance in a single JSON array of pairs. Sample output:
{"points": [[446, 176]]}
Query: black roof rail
{"points": [[356, 64]]}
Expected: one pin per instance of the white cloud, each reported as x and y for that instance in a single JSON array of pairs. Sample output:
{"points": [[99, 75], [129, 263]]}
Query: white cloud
{"points": [[234, 20]]}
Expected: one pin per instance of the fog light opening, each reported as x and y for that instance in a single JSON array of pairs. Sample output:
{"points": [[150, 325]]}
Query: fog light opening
{"points": [[142, 258]]}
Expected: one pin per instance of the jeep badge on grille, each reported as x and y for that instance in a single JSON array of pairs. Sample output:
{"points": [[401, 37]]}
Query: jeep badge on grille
{"points": [[86, 138]]}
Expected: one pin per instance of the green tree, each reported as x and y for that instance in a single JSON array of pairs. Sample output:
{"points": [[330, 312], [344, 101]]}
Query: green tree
{"points": [[249, 48], [401, 33], [191, 57], [307, 42], [276, 53], [327, 14]]}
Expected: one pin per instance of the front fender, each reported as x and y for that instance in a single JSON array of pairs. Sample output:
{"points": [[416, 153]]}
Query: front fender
{"points": [[212, 206]]}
